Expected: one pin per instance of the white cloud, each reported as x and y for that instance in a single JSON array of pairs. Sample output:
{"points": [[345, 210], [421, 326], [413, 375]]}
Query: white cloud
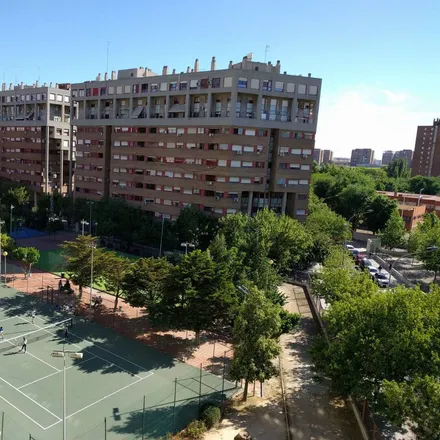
{"points": [[369, 117]]}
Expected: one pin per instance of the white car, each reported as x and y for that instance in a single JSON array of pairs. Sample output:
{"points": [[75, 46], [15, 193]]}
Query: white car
{"points": [[349, 247], [372, 270], [382, 279]]}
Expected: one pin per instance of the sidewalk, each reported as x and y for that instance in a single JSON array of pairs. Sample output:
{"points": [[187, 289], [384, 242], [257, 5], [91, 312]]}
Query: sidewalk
{"points": [[314, 413]]}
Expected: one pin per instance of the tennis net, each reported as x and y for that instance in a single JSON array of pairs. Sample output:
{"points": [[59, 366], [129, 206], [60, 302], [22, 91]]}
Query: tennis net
{"points": [[56, 331]]}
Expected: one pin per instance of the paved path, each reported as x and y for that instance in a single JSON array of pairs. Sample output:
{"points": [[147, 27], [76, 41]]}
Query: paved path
{"points": [[314, 413]]}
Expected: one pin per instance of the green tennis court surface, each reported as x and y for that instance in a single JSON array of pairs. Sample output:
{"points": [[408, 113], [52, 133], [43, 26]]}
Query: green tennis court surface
{"points": [[119, 390]]}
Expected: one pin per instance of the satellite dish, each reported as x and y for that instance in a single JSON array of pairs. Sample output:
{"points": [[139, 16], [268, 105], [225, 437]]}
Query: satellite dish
{"points": [[249, 56]]}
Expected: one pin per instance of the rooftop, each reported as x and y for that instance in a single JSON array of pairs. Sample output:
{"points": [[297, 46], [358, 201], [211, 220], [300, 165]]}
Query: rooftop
{"points": [[409, 195]]}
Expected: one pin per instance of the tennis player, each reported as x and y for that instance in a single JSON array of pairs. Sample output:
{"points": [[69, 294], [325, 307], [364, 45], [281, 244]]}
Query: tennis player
{"points": [[1, 332], [24, 346]]}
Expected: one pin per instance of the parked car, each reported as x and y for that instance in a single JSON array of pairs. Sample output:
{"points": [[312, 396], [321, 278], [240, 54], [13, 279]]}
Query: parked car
{"points": [[354, 252], [359, 257], [382, 278], [349, 247], [365, 263], [372, 270]]}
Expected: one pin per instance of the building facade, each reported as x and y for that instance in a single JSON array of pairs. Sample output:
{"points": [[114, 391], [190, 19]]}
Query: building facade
{"points": [[361, 156], [328, 156], [426, 158], [226, 141], [387, 157], [318, 155], [35, 136], [406, 155]]}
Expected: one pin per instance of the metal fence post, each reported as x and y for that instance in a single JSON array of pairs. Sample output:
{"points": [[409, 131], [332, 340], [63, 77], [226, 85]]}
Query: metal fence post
{"points": [[174, 406], [105, 428], [200, 386], [143, 420], [3, 425]]}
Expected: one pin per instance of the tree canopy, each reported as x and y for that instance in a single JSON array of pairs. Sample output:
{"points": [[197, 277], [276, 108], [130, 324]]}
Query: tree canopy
{"points": [[393, 234], [27, 257]]}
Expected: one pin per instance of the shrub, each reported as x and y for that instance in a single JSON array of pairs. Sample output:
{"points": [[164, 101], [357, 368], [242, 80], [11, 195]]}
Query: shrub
{"points": [[195, 430], [211, 416], [289, 321]]}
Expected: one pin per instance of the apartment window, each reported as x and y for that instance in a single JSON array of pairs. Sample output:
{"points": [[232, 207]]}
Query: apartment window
{"points": [[302, 196], [295, 151], [111, 90], [52, 96], [119, 90], [246, 180], [222, 163], [303, 182], [242, 83], [234, 179], [173, 85], [290, 88], [191, 130], [301, 89], [224, 147], [237, 148], [238, 131], [250, 132], [38, 96], [305, 167], [248, 149], [307, 152], [235, 163], [300, 212], [193, 84], [313, 90], [204, 83], [267, 85], [279, 86], [154, 87], [292, 182], [163, 87], [28, 97], [227, 82], [281, 181], [215, 83], [183, 85], [247, 164], [127, 89], [294, 166]]}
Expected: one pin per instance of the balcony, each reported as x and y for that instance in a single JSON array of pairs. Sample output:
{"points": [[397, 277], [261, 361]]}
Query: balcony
{"points": [[275, 116], [220, 114], [245, 114], [198, 114]]}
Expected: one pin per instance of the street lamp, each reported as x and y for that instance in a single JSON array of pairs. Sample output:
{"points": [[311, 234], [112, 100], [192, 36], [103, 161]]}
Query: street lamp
{"points": [[10, 225], [83, 222], [186, 245], [90, 203], [93, 246], [5, 254], [72, 355], [1, 223]]}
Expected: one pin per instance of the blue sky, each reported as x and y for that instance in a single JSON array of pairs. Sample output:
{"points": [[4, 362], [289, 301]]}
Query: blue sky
{"points": [[378, 59]]}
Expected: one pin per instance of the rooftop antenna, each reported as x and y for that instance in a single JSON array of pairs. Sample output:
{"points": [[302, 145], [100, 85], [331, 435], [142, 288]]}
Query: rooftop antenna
{"points": [[265, 52], [108, 49], [38, 73]]}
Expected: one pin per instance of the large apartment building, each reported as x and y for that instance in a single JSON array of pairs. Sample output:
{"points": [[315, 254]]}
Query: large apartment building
{"points": [[426, 158], [387, 157], [328, 156], [35, 136], [361, 156], [231, 140]]}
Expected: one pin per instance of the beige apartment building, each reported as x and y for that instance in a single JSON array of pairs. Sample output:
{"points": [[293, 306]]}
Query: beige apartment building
{"points": [[35, 136], [229, 140]]}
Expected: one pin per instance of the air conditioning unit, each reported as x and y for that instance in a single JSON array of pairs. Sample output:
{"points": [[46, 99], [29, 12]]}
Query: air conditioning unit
{"points": [[305, 156], [210, 183], [211, 135], [217, 197], [282, 154], [235, 200], [258, 152]]}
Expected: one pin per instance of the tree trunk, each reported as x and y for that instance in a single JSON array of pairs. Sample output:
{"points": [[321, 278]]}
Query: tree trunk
{"points": [[116, 302], [435, 276], [245, 391], [80, 291], [198, 337]]}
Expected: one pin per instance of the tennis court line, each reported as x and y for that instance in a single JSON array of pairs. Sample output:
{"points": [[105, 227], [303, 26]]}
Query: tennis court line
{"points": [[53, 374], [20, 411], [30, 398], [95, 355], [100, 400], [7, 319]]}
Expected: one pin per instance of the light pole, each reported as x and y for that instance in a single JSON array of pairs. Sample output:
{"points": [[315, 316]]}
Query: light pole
{"points": [[90, 203], [5, 254], [10, 226], [161, 236], [93, 246], [73, 355], [83, 222], [186, 245], [1, 223], [420, 197]]}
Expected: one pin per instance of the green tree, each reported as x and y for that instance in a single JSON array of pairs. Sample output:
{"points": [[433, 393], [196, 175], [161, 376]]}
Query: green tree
{"points": [[78, 255], [353, 202], [416, 402], [18, 196], [8, 243], [143, 284], [398, 168], [114, 274], [196, 296], [27, 257], [393, 235], [390, 335], [380, 209], [193, 226], [255, 340], [428, 185]]}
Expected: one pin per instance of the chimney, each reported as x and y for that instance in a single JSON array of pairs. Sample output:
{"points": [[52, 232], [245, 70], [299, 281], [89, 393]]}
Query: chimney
{"points": [[113, 75], [213, 63], [165, 70], [174, 71], [3, 87], [21, 85], [309, 75], [10, 86], [56, 85], [50, 84], [99, 77], [196, 65], [278, 66], [45, 85], [192, 70], [230, 65], [105, 76], [187, 69], [37, 84], [269, 66]]}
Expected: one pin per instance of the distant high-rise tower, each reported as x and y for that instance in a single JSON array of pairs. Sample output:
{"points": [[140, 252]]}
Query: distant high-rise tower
{"points": [[405, 154], [387, 157], [328, 156], [318, 155], [362, 156], [426, 159]]}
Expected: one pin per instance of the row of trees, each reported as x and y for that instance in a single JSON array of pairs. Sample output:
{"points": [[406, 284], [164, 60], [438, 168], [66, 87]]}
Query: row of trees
{"points": [[383, 345]]}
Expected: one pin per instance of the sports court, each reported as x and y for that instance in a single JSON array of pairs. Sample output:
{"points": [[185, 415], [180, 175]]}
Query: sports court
{"points": [[120, 389]]}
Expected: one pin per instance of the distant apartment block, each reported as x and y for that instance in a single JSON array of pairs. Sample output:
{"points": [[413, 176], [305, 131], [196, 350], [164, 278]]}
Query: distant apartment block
{"points": [[362, 156], [226, 141], [318, 155], [328, 156], [426, 158], [342, 161], [387, 157], [35, 136]]}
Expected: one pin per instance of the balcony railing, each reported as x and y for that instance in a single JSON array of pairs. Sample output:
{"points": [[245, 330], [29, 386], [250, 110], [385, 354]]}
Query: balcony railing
{"points": [[275, 116], [245, 114], [221, 114], [200, 114]]}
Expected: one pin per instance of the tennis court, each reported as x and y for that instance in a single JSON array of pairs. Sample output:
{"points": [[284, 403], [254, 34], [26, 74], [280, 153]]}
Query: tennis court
{"points": [[120, 389]]}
